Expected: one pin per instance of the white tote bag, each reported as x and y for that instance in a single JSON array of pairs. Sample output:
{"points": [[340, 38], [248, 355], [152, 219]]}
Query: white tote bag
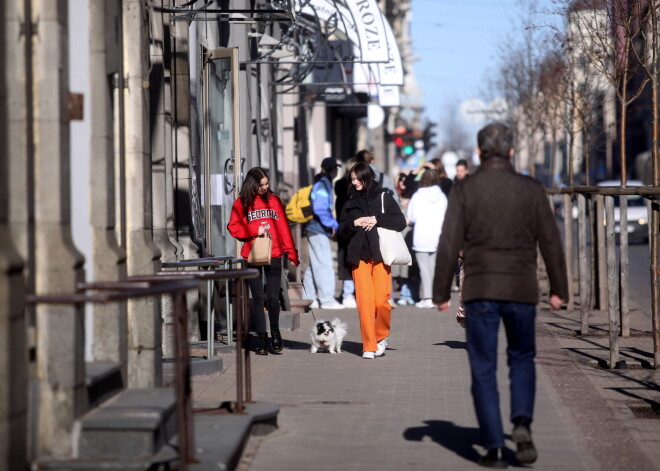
{"points": [[393, 247]]}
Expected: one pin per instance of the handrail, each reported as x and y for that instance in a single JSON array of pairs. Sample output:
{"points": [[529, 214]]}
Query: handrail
{"points": [[213, 263], [109, 291], [645, 191], [613, 288], [243, 378]]}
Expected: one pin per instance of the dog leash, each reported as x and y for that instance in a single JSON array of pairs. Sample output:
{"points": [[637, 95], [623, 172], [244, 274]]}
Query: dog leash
{"points": [[302, 282]]}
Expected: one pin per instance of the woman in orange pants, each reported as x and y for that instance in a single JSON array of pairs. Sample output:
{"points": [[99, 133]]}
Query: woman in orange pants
{"points": [[360, 216]]}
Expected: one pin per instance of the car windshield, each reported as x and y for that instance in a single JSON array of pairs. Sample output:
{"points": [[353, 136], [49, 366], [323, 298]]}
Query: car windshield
{"points": [[633, 201]]}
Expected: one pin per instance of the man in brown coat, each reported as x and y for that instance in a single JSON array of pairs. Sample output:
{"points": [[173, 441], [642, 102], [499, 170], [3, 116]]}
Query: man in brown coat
{"points": [[500, 219]]}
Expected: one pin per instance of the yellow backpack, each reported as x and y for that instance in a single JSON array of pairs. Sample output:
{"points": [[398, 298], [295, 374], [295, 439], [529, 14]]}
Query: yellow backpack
{"points": [[299, 209]]}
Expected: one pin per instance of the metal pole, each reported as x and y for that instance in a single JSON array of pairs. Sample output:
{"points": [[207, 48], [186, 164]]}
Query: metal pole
{"points": [[209, 319], [602, 255], [583, 267], [568, 246], [246, 351], [238, 301], [623, 267], [612, 281]]}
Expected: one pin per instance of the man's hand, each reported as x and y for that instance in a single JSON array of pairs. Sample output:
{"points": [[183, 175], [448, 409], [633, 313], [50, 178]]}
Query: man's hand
{"points": [[444, 306], [555, 302]]}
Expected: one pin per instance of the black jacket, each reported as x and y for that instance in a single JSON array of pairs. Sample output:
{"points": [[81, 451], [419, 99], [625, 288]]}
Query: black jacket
{"points": [[363, 245]]}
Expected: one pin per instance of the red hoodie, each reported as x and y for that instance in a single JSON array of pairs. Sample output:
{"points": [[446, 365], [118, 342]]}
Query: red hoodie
{"points": [[268, 213]]}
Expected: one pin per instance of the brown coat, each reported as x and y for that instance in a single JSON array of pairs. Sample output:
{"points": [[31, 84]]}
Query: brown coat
{"points": [[499, 218]]}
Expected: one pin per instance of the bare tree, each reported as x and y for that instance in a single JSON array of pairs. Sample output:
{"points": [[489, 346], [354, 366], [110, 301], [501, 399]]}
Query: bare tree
{"points": [[517, 81], [455, 136]]}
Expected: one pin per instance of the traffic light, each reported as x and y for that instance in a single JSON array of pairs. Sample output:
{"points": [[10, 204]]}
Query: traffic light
{"points": [[429, 135], [402, 142]]}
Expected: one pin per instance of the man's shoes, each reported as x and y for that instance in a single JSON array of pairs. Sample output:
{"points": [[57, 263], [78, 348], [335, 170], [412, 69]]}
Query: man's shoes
{"points": [[349, 302], [332, 305], [368, 355], [382, 346], [405, 302], [494, 458], [525, 450], [314, 305]]}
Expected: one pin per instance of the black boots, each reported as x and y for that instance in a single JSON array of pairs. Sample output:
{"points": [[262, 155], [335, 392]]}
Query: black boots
{"points": [[276, 344], [262, 344], [522, 436], [494, 458]]}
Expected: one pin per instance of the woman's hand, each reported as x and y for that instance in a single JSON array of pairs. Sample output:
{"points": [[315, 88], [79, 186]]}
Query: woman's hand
{"points": [[365, 222], [261, 231]]}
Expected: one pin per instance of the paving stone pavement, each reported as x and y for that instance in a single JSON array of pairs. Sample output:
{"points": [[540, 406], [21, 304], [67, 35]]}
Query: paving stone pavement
{"points": [[412, 408]]}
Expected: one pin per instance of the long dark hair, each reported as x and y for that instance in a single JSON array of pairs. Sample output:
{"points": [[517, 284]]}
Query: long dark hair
{"points": [[365, 174], [250, 187]]}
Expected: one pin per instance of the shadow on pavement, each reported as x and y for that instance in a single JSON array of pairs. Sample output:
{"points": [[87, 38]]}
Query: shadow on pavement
{"points": [[454, 344], [460, 440], [348, 347]]}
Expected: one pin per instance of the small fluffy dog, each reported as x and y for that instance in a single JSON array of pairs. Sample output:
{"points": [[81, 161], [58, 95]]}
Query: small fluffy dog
{"points": [[328, 336]]}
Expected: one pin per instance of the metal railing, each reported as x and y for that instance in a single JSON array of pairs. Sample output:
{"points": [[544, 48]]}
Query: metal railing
{"points": [[595, 208], [105, 292], [214, 263], [176, 284]]}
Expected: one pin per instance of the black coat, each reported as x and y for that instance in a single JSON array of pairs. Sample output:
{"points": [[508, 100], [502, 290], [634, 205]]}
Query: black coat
{"points": [[363, 245]]}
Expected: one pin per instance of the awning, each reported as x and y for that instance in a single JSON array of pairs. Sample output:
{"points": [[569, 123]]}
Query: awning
{"points": [[377, 69]]}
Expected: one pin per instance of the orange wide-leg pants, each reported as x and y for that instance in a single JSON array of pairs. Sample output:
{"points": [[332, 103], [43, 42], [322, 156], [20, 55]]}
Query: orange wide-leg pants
{"points": [[373, 288]]}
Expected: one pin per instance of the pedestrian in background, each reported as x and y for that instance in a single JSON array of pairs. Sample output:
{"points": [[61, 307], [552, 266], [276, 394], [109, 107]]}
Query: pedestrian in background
{"points": [[361, 215], [500, 219], [258, 210], [426, 212], [462, 170], [342, 186], [319, 278]]}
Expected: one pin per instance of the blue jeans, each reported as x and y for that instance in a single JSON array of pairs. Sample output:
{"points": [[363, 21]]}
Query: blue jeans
{"points": [[348, 289], [319, 279], [482, 325]]}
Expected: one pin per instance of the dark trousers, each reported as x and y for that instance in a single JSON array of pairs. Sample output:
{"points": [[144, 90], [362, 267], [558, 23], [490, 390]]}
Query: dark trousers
{"points": [[482, 325], [273, 275]]}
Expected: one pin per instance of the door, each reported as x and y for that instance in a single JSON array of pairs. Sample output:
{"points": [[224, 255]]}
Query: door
{"points": [[221, 169]]}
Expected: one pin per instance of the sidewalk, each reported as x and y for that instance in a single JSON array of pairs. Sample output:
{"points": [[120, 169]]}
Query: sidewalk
{"points": [[412, 408]]}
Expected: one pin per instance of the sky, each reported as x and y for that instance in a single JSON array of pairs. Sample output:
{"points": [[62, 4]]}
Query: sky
{"points": [[456, 43]]}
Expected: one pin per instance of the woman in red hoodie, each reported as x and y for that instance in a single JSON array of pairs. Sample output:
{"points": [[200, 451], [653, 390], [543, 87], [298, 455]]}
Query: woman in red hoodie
{"points": [[256, 211]]}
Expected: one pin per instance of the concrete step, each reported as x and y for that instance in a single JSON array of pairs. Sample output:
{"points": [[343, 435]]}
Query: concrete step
{"points": [[135, 423], [103, 380], [289, 320], [300, 305]]}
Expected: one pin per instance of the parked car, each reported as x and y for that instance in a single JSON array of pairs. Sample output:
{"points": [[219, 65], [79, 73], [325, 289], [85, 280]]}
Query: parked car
{"points": [[638, 228]]}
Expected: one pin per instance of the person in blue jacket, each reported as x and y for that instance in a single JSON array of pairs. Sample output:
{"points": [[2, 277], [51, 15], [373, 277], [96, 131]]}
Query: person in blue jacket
{"points": [[319, 278]]}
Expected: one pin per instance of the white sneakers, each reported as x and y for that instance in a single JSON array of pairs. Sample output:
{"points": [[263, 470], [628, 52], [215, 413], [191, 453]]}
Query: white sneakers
{"points": [[349, 302], [369, 355], [332, 305], [382, 345], [425, 304], [405, 302]]}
